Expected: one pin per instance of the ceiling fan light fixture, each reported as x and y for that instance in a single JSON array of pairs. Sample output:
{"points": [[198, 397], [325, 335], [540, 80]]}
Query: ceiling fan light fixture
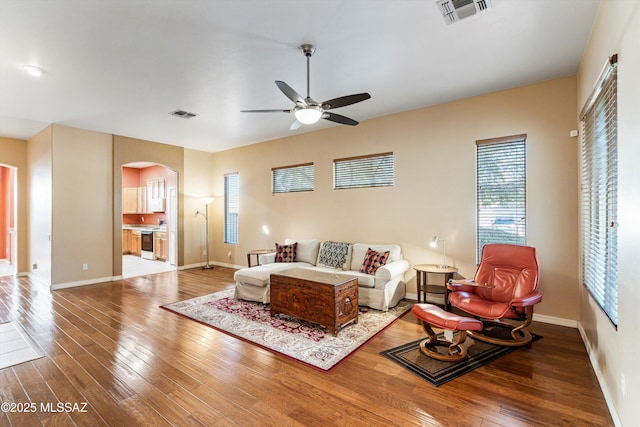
{"points": [[309, 115]]}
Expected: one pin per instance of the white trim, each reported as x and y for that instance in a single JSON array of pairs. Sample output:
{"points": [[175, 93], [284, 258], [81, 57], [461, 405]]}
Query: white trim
{"points": [[83, 283], [559, 321], [603, 385]]}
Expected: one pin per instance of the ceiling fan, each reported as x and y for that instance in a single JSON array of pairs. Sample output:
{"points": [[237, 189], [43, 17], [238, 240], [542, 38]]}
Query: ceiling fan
{"points": [[308, 111]]}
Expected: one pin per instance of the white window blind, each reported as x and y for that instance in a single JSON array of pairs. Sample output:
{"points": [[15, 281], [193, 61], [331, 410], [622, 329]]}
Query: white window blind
{"points": [[288, 179], [501, 191], [375, 170], [599, 188], [231, 207]]}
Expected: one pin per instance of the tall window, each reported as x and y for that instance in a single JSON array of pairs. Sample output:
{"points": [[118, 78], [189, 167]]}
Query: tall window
{"points": [[599, 185], [231, 207], [501, 191], [288, 179], [375, 170]]}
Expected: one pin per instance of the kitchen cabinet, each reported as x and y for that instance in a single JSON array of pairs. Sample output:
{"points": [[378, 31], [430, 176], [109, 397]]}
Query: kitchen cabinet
{"points": [[126, 242], [160, 245], [142, 201], [135, 242], [134, 200], [156, 195], [130, 200]]}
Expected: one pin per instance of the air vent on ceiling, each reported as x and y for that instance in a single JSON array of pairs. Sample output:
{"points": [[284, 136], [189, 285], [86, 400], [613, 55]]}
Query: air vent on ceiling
{"points": [[182, 114], [455, 10]]}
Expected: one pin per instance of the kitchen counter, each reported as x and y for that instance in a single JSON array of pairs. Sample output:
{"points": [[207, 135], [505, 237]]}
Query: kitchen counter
{"points": [[144, 227]]}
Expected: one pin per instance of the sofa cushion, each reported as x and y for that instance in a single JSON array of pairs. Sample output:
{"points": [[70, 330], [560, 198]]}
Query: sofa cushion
{"points": [[360, 250], [373, 260], [306, 251], [286, 253], [335, 254], [259, 275]]}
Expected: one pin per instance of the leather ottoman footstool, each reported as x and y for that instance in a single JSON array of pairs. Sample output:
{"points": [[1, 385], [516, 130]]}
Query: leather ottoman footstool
{"points": [[432, 315]]}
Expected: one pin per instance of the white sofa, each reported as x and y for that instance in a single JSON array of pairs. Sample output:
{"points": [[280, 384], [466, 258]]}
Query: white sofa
{"points": [[380, 291]]}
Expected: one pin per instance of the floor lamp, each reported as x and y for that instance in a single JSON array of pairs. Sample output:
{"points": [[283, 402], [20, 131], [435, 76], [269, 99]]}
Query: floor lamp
{"points": [[206, 201]]}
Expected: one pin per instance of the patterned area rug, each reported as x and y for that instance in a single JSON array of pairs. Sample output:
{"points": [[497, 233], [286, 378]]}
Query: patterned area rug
{"points": [[438, 372], [302, 341]]}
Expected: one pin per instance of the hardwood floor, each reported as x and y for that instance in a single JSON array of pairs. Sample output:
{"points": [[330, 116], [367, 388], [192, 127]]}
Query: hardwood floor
{"points": [[110, 350]]}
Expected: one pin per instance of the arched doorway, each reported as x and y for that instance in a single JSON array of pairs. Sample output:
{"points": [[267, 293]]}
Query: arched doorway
{"points": [[149, 219]]}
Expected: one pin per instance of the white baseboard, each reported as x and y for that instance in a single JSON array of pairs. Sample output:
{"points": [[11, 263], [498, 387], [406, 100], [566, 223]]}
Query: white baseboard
{"points": [[559, 321], [84, 282], [214, 263]]}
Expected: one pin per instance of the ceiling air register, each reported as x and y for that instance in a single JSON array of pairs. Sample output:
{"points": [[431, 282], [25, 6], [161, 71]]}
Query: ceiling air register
{"points": [[456, 10]]}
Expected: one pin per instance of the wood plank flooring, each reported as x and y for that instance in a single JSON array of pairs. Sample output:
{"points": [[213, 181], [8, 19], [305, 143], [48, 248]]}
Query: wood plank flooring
{"points": [[115, 358]]}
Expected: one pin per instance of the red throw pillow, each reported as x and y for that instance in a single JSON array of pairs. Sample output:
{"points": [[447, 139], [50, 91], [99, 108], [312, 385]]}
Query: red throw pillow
{"points": [[286, 253], [373, 260]]}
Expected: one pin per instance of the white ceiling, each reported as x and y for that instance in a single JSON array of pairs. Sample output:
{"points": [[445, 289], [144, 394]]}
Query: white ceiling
{"points": [[121, 66]]}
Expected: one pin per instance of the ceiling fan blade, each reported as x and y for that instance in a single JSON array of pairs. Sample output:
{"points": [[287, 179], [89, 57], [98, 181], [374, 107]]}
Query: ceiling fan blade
{"points": [[333, 117], [290, 93], [345, 100], [295, 125], [265, 111]]}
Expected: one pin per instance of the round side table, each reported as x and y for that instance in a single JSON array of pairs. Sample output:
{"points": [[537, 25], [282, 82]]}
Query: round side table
{"points": [[421, 281]]}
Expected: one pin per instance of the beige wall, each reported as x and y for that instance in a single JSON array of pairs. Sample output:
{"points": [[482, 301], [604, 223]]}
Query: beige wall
{"points": [[39, 153], [128, 150], [198, 183], [13, 152], [614, 352], [82, 214], [434, 192]]}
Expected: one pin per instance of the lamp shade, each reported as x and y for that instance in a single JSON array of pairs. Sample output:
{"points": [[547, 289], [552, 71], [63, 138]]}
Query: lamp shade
{"points": [[206, 200], [309, 115]]}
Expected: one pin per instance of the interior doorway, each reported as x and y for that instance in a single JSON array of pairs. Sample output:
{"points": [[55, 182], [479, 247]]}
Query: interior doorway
{"points": [[148, 216], [8, 220]]}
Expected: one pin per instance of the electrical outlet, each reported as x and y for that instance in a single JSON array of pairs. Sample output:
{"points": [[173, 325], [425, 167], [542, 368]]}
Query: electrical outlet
{"points": [[85, 267], [229, 254], [204, 252], [34, 267]]}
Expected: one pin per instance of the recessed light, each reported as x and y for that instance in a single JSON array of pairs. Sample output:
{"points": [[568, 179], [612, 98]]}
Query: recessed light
{"points": [[33, 70]]}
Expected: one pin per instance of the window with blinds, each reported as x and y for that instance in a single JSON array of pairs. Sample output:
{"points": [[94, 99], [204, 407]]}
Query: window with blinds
{"points": [[375, 170], [289, 179], [599, 188], [501, 191], [231, 207]]}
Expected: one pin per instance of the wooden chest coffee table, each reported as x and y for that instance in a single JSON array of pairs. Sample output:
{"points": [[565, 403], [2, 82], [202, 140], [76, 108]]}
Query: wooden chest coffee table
{"points": [[328, 299]]}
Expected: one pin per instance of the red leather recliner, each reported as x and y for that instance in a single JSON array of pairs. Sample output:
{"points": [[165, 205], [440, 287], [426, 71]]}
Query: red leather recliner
{"points": [[502, 293]]}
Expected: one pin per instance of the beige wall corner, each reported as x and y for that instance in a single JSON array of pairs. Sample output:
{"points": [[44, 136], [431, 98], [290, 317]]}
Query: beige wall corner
{"points": [[82, 214], [39, 184]]}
